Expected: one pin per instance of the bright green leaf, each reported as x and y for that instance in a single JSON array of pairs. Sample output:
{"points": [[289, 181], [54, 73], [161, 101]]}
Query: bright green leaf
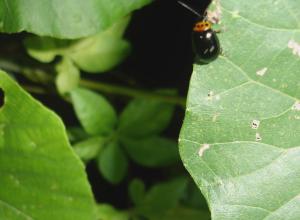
{"points": [[102, 54], [240, 139], [152, 151], [88, 149], [97, 53], [103, 51], [161, 198], [136, 191], [68, 76], [64, 19], [45, 49], [95, 113], [113, 163], [107, 212], [145, 117], [33, 150]]}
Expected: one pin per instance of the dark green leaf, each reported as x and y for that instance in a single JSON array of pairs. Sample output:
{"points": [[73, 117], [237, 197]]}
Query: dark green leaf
{"points": [[76, 134], [96, 115], [88, 149], [41, 177], [113, 163], [240, 139], [136, 191], [161, 198], [145, 117], [64, 19], [152, 151]]}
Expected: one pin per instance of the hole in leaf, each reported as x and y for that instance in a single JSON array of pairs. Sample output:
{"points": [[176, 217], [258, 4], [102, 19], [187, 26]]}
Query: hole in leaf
{"points": [[1, 97]]}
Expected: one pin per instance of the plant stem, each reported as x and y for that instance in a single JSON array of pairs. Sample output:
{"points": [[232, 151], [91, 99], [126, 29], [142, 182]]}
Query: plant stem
{"points": [[34, 89], [120, 90], [98, 86]]}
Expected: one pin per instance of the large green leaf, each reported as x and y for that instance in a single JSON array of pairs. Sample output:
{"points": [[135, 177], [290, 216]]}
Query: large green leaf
{"points": [[40, 176], [63, 19], [241, 136]]}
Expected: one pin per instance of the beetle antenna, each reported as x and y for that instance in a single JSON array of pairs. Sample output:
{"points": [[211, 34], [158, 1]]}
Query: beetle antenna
{"points": [[189, 8]]}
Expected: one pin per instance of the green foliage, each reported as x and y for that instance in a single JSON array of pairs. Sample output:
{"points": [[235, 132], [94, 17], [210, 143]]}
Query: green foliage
{"points": [[96, 115], [89, 148], [94, 54], [68, 76], [144, 117], [64, 19], [33, 151], [107, 212], [161, 198], [113, 163], [240, 139], [98, 118], [153, 151], [136, 191]]}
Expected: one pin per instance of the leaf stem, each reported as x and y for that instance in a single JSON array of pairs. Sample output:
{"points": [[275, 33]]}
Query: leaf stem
{"points": [[11, 66], [126, 91]]}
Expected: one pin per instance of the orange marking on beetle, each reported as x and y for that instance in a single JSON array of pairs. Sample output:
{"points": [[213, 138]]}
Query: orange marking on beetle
{"points": [[202, 26]]}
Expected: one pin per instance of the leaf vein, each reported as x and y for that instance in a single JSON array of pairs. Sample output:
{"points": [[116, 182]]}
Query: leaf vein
{"points": [[256, 82], [16, 210]]}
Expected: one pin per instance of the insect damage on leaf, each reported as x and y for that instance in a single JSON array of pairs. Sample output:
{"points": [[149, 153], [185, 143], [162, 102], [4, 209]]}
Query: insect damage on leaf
{"points": [[202, 149], [295, 46], [262, 72], [296, 106], [214, 16], [255, 124], [258, 137]]}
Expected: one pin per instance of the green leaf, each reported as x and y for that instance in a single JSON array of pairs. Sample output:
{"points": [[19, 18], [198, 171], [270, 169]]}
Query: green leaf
{"points": [[152, 151], [145, 117], [64, 19], [68, 76], [107, 212], [136, 191], [113, 163], [183, 213], [41, 177], [97, 53], [161, 198], [45, 49], [193, 197], [76, 134], [88, 149], [103, 51], [240, 139], [94, 112]]}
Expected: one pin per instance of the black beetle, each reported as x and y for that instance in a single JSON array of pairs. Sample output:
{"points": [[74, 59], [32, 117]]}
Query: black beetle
{"points": [[206, 44]]}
